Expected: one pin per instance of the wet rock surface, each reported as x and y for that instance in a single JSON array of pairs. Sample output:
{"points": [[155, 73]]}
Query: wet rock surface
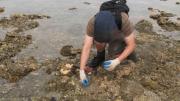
{"points": [[163, 20], [13, 43], [14, 70]]}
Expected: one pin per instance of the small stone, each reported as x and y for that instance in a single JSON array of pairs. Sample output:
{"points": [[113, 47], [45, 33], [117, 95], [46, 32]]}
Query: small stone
{"points": [[66, 50], [150, 8], [73, 8], [87, 3]]}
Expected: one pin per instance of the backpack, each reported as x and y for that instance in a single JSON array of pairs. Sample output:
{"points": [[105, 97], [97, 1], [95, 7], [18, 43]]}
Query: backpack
{"points": [[116, 7]]}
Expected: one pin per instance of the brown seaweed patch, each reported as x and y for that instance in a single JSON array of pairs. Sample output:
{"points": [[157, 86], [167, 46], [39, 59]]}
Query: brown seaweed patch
{"points": [[15, 70], [12, 44], [21, 22], [163, 20], [144, 26]]}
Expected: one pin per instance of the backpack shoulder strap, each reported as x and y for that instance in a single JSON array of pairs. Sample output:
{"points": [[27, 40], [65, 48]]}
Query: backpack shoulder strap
{"points": [[118, 20]]}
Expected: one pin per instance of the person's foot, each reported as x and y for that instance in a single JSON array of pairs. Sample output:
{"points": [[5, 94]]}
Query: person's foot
{"points": [[97, 60]]}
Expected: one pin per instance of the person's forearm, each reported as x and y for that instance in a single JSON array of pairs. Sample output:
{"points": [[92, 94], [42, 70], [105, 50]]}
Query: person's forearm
{"points": [[127, 51], [84, 56]]}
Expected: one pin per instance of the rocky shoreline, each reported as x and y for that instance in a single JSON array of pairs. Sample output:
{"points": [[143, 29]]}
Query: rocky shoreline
{"points": [[155, 77]]}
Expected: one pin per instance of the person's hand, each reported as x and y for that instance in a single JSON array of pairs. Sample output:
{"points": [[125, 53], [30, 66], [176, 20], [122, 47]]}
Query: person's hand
{"points": [[111, 64], [84, 79]]}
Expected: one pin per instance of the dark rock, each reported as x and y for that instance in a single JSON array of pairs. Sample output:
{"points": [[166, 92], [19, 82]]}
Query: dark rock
{"points": [[73, 8], [144, 26], [68, 50], [1, 9], [87, 3], [150, 8], [168, 25], [165, 14], [177, 3]]}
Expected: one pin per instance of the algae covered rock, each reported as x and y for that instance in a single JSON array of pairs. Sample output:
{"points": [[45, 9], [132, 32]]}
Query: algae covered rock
{"points": [[144, 26]]}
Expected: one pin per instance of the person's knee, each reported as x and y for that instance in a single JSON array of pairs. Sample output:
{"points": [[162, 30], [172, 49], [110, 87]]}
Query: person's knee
{"points": [[100, 46]]}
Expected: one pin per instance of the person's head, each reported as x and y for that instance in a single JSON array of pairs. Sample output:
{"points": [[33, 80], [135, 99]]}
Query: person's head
{"points": [[105, 27]]}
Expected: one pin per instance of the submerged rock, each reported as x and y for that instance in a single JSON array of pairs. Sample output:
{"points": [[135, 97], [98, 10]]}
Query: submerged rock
{"points": [[68, 50], [73, 8], [13, 43], [1, 9], [21, 22]]}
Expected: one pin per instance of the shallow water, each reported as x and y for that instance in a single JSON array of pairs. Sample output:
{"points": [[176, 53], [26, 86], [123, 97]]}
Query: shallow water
{"points": [[68, 26]]}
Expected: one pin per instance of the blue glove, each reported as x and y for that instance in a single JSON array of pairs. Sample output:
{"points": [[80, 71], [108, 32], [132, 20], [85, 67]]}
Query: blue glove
{"points": [[111, 64], [85, 83], [84, 79]]}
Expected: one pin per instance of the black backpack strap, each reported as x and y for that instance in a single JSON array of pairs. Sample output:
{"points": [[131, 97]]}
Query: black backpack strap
{"points": [[118, 20]]}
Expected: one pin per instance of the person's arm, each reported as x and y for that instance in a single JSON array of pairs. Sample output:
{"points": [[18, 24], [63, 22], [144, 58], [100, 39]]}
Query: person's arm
{"points": [[88, 41], [130, 41]]}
